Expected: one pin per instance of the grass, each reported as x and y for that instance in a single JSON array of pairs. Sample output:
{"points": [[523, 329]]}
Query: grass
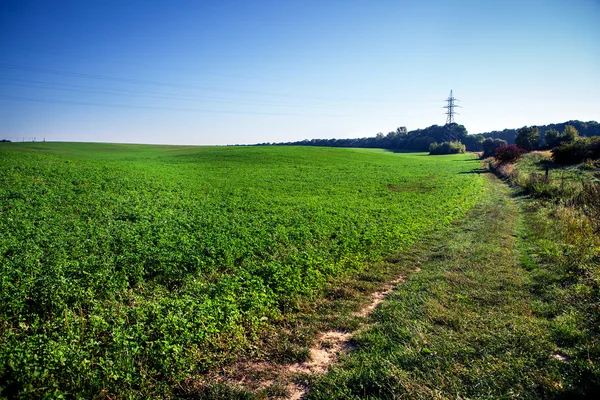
{"points": [[563, 256], [127, 269], [486, 318], [542, 178], [575, 187]]}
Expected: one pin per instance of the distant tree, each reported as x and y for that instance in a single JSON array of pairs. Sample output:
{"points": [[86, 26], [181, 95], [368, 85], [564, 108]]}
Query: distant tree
{"points": [[506, 134], [528, 138], [552, 138], [456, 131], [590, 128], [570, 134], [473, 142], [422, 143], [490, 145], [419, 139]]}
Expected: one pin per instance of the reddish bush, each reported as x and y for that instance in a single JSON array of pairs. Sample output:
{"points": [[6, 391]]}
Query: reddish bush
{"points": [[508, 154]]}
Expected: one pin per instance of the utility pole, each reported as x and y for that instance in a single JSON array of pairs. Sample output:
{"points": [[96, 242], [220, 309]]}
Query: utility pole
{"points": [[450, 109], [450, 116]]}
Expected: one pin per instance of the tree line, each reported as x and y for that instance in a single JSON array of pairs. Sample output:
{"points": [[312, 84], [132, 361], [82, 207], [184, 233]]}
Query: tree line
{"points": [[421, 139], [401, 138]]}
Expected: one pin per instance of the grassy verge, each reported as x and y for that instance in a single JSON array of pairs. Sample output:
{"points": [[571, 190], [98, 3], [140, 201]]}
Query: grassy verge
{"points": [[562, 254], [474, 323], [576, 186]]}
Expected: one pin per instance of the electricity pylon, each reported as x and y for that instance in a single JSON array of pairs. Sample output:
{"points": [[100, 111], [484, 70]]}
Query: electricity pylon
{"points": [[450, 109]]}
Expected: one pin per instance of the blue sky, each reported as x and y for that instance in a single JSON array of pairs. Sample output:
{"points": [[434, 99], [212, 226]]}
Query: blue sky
{"points": [[227, 72]]}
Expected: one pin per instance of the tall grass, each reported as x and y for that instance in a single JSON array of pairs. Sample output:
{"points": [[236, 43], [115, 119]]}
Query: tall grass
{"points": [[538, 176], [563, 247]]}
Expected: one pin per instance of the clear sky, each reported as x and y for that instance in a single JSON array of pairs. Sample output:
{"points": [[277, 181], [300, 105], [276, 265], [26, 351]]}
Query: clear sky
{"points": [[227, 72]]}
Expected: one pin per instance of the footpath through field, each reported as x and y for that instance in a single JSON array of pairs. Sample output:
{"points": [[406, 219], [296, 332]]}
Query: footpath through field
{"points": [[462, 328]]}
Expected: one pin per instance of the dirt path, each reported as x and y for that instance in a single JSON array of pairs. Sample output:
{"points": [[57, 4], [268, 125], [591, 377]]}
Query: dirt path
{"points": [[260, 377], [329, 345]]}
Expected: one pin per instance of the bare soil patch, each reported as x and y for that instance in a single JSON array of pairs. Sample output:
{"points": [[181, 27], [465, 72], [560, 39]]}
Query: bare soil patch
{"points": [[326, 348]]}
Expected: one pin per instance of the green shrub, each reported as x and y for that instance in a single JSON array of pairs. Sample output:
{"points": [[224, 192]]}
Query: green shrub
{"points": [[446, 148], [581, 149], [490, 145]]}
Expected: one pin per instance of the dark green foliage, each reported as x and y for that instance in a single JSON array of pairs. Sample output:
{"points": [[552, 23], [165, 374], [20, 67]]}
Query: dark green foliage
{"points": [[579, 150], [490, 146], [590, 128], [528, 138], [446, 148], [552, 138], [473, 142], [508, 154], [508, 135], [418, 140]]}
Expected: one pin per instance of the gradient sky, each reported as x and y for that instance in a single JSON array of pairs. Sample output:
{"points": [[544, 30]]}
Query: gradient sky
{"points": [[227, 72]]}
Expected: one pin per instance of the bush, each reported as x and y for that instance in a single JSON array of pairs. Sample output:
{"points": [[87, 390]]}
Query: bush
{"points": [[508, 154], [446, 148], [473, 142], [580, 150], [490, 145]]}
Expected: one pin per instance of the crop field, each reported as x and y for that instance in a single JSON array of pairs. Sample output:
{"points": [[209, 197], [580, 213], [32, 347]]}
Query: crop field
{"points": [[124, 269]]}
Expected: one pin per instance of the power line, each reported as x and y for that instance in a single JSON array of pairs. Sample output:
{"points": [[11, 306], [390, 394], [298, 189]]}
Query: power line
{"points": [[163, 95], [149, 82], [130, 106], [136, 64], [182, 86], [144, 92]]}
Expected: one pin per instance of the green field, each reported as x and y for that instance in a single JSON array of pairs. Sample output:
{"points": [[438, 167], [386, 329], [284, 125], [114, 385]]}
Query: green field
{"points": [[125, 269], [506, 305], [465, 327]]}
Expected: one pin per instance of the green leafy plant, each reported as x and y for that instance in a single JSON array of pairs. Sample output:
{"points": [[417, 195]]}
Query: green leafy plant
{"points": [[126, 269]]}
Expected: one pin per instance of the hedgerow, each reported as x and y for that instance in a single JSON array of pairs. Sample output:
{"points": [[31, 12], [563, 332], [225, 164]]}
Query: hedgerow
{"points": [[577, 151]]}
